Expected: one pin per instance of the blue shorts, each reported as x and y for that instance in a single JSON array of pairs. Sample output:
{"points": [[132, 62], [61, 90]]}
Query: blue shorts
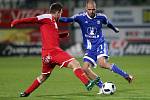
{"points": [[92, 56]]}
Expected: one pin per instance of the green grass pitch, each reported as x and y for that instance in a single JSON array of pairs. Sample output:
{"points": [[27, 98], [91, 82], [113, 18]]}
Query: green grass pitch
{"points": [[17, 73]]}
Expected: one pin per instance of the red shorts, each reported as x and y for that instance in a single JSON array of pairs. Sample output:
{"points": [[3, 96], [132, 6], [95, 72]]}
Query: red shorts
{"points": [[54, 57]]}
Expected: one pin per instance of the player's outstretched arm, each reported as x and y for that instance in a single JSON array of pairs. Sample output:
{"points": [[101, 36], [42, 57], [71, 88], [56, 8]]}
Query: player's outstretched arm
{"points": [[115, 29], [66, 19], [24, 20]]}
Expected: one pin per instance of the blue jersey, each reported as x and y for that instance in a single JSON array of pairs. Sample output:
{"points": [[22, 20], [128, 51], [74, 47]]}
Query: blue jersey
{"points": [[93, 37], [91, 28]]}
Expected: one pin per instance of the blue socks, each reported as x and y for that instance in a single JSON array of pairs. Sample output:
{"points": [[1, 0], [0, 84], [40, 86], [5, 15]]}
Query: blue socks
{"points": [[99, 83], [117, 70]]}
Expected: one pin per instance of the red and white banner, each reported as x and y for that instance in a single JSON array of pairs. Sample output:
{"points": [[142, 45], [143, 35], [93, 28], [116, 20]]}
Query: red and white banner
{"points": [[7, 15]]}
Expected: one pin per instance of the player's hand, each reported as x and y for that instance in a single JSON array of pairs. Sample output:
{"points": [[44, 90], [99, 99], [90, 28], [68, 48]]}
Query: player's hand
{"points": [[64, 34], [14, 22], [116, 30]]}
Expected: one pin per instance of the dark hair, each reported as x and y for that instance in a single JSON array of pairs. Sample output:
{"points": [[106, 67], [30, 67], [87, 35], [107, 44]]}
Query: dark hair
{"points": [[55, 7]]}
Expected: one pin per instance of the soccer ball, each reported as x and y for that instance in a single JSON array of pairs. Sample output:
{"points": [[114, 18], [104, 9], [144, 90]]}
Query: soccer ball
{"points": [[108, 88]]}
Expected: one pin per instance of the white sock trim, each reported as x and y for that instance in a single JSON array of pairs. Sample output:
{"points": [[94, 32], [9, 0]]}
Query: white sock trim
{"points": [[38, 79], [76, 69]]}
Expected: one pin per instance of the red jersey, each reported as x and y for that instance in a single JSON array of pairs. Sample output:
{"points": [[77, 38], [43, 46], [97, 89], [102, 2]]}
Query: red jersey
{"points": [[48, 28], [49, 31], [50, 41]]}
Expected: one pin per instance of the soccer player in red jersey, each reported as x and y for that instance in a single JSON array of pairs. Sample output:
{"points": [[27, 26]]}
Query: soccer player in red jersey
{"points": [[52, 54]]}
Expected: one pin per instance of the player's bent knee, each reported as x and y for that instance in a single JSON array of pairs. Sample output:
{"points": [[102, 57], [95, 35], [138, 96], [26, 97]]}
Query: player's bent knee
{"points": [[104, 65], [85, 68], [74, 64]]}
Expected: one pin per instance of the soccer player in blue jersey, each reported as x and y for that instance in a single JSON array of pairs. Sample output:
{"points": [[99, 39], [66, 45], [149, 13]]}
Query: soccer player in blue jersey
{"points": [[96, 50]]}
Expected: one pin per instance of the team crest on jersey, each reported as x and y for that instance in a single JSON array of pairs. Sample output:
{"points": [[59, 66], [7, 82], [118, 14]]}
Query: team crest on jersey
{"points": [[86, 22], [98, 22]]}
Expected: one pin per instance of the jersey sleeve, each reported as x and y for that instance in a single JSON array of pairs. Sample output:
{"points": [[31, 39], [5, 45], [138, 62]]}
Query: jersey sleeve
{"points": [[66, 19], [111, 26], [104, 19], [24, 21], [76, 17], [69, 19], [44, 18]]}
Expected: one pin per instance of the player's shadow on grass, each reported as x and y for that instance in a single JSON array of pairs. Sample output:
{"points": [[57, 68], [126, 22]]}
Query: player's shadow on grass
{"points": [[67, 96], [64, 96]]}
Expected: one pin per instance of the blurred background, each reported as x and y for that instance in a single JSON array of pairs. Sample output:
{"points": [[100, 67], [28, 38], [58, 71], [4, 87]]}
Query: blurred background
{"points": [[132, 17]]}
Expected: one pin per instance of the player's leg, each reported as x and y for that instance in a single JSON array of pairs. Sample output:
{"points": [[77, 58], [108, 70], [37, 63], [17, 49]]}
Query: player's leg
{"points": [[103, 62], [87, 69], [36, 83], [89, 62], [78, 71], [65, 60], [46, 71], [93, 76]]}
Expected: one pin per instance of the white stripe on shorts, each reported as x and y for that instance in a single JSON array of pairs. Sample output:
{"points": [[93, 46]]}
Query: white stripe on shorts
{"points": [[65, 62], [90, 60]]}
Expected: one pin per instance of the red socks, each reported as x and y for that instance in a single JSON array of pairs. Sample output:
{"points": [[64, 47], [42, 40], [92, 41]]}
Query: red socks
{"points": [[81, 75], [78, 72], [34, 85]]}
